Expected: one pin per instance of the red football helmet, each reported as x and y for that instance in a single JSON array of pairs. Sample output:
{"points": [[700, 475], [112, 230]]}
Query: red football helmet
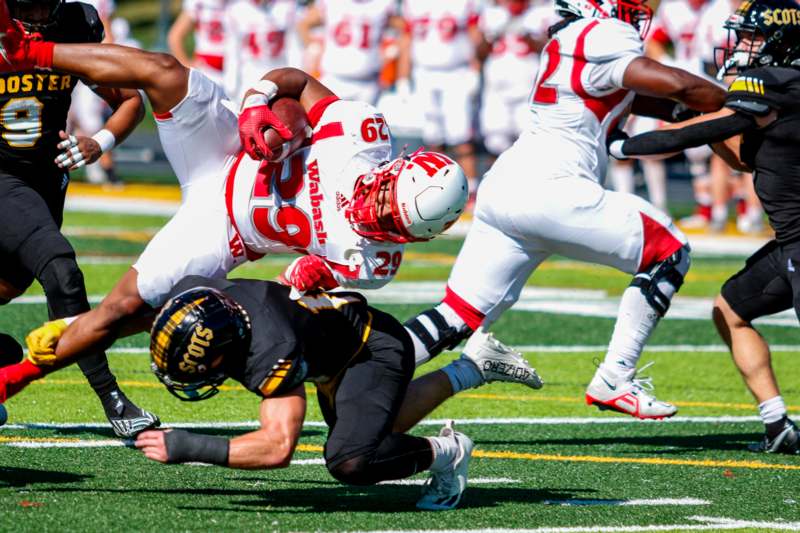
{"points": [[410, 199]]}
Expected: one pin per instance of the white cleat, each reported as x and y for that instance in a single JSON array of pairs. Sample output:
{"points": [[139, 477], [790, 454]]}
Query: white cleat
{"points": [[498, 362], [444, 488], [627, 394]]}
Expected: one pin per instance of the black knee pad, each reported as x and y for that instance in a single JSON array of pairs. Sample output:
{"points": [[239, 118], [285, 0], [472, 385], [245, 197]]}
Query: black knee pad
{"points": [[671, 270], [62, 282], [354, 471]]}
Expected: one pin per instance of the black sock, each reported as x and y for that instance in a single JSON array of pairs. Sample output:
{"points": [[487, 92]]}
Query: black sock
{"points": [[99, 376], [775, 428]]}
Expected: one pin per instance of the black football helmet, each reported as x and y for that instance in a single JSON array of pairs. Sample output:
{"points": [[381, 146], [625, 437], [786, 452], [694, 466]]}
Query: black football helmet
{"points": [[191, 336], [776, 21], [35, 15]]}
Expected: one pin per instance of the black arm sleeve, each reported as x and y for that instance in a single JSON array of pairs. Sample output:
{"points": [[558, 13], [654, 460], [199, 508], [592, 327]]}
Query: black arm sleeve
{"points": [[661, 108], [184, 447], [667, 141]]}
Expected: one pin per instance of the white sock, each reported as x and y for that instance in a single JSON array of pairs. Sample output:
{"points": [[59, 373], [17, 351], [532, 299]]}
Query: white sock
{"points": [[772, 410], [445, 451], [636, 320], [421, 354], [463, 374]]}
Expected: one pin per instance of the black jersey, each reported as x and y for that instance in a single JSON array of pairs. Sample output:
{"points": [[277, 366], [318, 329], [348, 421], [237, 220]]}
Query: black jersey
{"points": [[773, 152], [34, 103], [312, 338]]}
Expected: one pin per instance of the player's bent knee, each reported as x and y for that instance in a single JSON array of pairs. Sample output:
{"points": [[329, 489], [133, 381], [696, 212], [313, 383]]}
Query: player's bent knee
{"points": [[62, 282], [663, 279], [354, 471]]}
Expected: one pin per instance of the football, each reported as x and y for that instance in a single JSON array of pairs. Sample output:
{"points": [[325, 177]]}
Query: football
{"points": [[292, 114]]}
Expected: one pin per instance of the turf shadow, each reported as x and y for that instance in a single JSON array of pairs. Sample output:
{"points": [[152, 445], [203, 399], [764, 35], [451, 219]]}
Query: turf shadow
{"points": [[20, 477], [333, 497], [665, 444]]}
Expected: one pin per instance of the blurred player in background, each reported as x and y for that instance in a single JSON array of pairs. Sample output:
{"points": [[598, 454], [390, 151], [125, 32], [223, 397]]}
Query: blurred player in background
{"points": [[543, 196], [351, 47], [36, 156], [255, 41], [438, 54], [89, 111], [514, 34], [202, 19]]}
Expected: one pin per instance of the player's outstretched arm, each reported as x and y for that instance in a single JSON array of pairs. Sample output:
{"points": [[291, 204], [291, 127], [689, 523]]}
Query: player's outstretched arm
{"points": [[651, 78], [271, 446], [712, 128], [161, 76]]}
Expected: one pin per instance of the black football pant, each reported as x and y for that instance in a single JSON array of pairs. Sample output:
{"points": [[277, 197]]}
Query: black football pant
{"points": [[32, 247], [361, 448], [768, 283]]}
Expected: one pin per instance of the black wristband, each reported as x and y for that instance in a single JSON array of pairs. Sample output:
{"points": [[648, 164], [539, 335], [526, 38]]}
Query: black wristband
{"points": [[185, 447]]}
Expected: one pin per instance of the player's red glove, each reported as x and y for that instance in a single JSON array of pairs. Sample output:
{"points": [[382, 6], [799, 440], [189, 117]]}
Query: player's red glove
{"points": [[19, 50], [255, 118], [310, 273]]}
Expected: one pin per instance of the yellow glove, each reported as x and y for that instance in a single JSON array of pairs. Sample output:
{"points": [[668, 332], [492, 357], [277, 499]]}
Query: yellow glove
{"points": [[42, 342]]}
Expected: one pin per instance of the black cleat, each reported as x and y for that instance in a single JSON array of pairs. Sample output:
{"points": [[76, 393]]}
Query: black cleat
{"points": [[786, 442], [126, 419], [10, 350]]}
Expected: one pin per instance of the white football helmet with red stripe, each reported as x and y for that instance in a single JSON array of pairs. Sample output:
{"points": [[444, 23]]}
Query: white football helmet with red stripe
{"points": [[634, 12], [409, 199]]}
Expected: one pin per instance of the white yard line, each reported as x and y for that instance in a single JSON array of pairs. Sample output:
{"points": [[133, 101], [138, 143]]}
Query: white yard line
{"points": [[576, 302], [653, 502], [545, 421], [562, 348], [708, 523]]}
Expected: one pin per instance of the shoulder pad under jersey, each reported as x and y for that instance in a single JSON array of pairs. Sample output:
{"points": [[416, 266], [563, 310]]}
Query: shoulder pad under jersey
{"points": [[611, 39], [759, 90]]}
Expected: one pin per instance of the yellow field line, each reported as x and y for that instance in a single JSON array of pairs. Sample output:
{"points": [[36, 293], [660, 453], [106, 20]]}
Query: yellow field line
{"points": [[132, 191], [705, 463], [463, 395]]}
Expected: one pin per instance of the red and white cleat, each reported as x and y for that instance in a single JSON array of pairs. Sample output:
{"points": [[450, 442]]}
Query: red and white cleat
{"points": [[627, 393]]}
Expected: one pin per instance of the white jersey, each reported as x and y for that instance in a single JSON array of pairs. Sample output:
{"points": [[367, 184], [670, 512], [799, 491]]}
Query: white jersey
{"points": [[298, 205], [578, 95], [676, 22], [512, 63], [209, 31], [439, 38], [255, 42], [711, 32], [353, 31]]}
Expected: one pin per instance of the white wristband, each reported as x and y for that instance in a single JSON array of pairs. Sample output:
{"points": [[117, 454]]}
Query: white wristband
{"points": [[105, 139], [615, 149], [267, 88], [255, 100]]}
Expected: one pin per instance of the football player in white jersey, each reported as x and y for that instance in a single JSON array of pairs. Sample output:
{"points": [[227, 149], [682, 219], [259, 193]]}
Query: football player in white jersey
{"points": [[351, 55], [255, 41], [544, 196], [340, 199], [204, 20], [514, 33], [438, 52]]}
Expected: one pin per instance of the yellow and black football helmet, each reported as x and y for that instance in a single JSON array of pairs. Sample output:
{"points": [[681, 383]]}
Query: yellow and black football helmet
{"points": [[190, 339]]}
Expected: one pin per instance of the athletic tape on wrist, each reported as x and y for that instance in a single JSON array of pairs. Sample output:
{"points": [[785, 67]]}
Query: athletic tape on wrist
{"points": [[254, 100], [267, 88], [105, 139], [184, 447]]}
